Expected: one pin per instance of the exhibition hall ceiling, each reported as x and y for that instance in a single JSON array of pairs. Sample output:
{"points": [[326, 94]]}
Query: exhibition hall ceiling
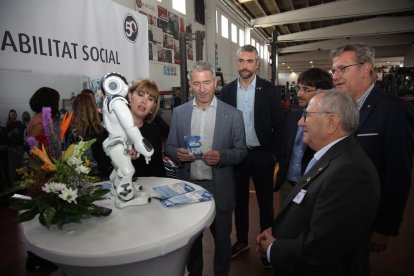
{"points": [[309, 26]]}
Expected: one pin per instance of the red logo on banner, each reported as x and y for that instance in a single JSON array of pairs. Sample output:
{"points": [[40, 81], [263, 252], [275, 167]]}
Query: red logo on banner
{"points": [[139, 3]]}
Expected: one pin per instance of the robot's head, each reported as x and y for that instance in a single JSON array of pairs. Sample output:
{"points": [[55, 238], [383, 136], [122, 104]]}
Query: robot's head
{"points": [[114, 84]]}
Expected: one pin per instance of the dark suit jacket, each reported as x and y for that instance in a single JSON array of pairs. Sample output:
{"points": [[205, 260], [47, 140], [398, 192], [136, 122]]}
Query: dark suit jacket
{"points": [[327, 233], [268, 112], [386, 133], [289, 135], [229, 139]]}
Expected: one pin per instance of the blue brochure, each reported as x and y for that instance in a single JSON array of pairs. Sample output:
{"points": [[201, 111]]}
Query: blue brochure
{"points": [[180, 193], [193, 144]]}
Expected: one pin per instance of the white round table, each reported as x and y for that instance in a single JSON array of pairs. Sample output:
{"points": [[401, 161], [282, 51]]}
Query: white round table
{"points": [[138, 240]]}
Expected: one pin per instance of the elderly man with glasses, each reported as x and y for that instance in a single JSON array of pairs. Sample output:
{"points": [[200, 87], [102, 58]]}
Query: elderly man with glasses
{"points": [[323, 227], [385, 132]]}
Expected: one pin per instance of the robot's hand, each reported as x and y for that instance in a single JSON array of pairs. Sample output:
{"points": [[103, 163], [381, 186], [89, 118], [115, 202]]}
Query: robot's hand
{"points": [[144, 147]]}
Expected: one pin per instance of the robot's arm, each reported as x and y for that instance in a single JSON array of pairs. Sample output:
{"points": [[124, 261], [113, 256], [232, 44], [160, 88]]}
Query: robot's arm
{"points": [[141, 145]]}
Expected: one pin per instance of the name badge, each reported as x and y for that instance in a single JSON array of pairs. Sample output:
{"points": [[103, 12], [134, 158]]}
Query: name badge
{"points": [[299, 197]]}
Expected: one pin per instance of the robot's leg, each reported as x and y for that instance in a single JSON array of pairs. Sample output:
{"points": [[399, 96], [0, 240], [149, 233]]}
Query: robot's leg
{"points": [[115, 181], [141, 198], [124, 189], [137, 186], [127, 195]]}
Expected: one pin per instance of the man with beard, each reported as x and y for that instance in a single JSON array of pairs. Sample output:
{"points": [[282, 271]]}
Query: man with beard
{"points": [[263, 118]]}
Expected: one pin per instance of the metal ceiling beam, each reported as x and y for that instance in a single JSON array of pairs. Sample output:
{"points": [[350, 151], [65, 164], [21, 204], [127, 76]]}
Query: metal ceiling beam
{"points": [[373, 26], [335, 10], [374, 41]]}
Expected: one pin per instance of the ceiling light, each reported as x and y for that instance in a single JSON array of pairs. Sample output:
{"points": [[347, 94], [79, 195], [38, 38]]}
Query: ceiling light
{"points": [[245, 1], [311, 62]]}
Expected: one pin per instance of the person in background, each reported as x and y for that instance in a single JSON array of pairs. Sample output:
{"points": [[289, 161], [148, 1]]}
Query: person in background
{"points": [[88, 92], [86, 125], [263, 118], [144, 100], [15, 129], [26, 118], [43, 97], [295, 155], [324, 226], [15, 145], [385, 132], [223, 146]]}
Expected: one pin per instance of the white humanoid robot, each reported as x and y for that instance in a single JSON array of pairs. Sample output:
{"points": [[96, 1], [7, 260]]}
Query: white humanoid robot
{"points": [[123, 134]]}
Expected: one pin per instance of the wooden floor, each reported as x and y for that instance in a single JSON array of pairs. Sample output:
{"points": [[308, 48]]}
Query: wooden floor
{"points": [[398, 260]]}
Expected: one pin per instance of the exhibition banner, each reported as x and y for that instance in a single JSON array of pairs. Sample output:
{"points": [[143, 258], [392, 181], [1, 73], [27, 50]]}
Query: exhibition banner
{"points": [[77, 37]]}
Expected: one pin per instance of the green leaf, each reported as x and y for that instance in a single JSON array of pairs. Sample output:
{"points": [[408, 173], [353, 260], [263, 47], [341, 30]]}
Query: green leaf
{"points": [[49, 214], [21, 204], [42, 220], [26, 216]]}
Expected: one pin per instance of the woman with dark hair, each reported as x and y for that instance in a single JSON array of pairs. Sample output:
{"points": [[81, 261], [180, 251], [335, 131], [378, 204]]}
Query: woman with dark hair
{"points": [[86, 125], [144, 100], [43, 97]]}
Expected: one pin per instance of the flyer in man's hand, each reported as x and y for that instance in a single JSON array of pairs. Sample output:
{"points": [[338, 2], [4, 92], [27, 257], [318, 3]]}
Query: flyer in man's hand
{"points": [[193, 144], [180, 193]]}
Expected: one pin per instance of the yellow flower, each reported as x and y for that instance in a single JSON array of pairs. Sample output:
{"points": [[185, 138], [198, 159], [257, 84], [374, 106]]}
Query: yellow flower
{"points": [[68, 152], [42, 154]]}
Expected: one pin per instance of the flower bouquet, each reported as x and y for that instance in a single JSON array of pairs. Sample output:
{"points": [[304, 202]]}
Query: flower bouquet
{"points": [[58, 183]]}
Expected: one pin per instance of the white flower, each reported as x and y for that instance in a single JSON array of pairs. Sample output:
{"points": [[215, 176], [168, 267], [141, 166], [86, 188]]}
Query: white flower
{"points": [[69, 195], [53, 187], [82, 169], [74, 161]]}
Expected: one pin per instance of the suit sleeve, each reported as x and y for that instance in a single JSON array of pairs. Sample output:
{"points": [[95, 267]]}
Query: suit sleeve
{"points": [[278, 119], [235, 154], [395, 173], [172, 145]]}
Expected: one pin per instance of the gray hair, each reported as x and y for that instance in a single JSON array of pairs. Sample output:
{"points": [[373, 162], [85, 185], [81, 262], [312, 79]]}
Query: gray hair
{"points": [[201, 66], [363, 53], [337, 101], [247, 48]]}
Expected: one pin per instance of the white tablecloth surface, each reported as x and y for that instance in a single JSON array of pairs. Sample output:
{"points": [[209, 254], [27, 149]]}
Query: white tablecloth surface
{"points": [[128, 235]]}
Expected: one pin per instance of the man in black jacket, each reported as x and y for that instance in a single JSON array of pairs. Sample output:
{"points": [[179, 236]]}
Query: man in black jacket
{"points": [[385, 132], [263, 117]]}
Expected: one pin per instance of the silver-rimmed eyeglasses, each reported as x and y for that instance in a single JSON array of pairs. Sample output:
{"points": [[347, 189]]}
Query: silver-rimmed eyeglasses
{"points": [[341, 69]]}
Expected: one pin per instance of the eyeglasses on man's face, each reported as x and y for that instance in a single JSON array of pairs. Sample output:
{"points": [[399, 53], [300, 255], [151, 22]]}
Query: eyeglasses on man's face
{"points": [[304, 89], [341, 69], [306, 113]]}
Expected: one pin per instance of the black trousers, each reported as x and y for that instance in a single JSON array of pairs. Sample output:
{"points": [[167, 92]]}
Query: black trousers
{"points": [[259, 165]]}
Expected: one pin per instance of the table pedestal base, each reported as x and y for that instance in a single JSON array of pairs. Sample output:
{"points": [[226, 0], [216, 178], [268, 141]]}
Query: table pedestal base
{"points": [[171, 264]]}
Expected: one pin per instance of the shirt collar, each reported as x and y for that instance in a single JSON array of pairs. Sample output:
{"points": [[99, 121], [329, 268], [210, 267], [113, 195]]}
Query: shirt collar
{"points": [[212, 104], [253, 83], [363, 98], [323, 150]]}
